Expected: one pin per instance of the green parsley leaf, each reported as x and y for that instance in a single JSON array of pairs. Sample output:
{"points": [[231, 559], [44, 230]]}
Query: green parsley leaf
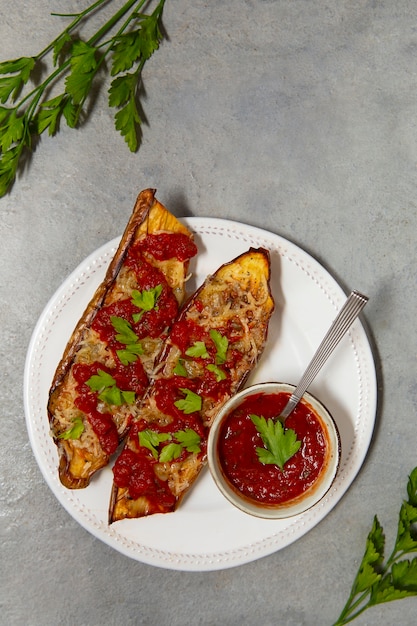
{"points": [[170, 452], [125, 333], [151, 439], [100, 381], [145, 300], [78, 86], [121, 89], [179, 369], [9, 161], [412, 488], [83, 57], [128, 121], [217, 371], [406, 534], [70, 113], [117, 397], [75, 431], [49, 115], [280, 443], [20, 70], [22, 66], [404, 575], [12, 130], [61, 46], [189, 439], [151, 34], [126, 51], [384, 591], [222, 343], [369, 573], [4, 113], [128, 397], [198, 349], [10, 86], [83, 69], [130, 353], [111, 395], [191, 403]]}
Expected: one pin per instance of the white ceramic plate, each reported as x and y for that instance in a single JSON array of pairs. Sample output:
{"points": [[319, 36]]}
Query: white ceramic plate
{"points": [[208, 533]]}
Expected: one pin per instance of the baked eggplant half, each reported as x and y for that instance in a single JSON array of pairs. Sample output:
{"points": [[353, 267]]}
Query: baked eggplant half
{"points": [[213, 346], [106, 366]]}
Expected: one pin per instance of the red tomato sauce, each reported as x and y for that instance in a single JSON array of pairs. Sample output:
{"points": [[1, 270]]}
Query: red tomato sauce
{"points": [[211, 388], [134, 471], [167, 392], [164, 246], [268, 484], [147, 275], [185, 332]]}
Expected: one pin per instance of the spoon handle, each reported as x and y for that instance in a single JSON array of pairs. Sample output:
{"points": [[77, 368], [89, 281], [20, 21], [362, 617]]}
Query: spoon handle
{"points": [[345, 318]]}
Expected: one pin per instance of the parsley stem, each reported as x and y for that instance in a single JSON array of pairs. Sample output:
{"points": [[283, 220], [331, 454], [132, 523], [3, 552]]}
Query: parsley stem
{"points": [[115, 18], [78, 18], [348, 614], [40, 89], [110, 42]]}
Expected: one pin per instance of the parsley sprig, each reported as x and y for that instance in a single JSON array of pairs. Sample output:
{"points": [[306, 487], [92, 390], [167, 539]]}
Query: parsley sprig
{"points": [[222, 343], [280, 443], [198, 349], [107, 389], [145, 300], [121, 46], [378, 581], [125, 334], [217, 371], [191, 403], [186, 439]]}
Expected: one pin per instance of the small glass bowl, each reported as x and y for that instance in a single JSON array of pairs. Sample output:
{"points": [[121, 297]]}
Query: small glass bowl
{"points": [[300, 503]]}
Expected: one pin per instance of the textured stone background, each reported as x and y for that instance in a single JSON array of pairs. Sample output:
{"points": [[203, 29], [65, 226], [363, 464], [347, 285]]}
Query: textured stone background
{"points": [[296, 116]]}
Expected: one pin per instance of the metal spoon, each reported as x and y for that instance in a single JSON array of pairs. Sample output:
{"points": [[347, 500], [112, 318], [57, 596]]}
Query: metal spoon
{"points": [[345, 318]]}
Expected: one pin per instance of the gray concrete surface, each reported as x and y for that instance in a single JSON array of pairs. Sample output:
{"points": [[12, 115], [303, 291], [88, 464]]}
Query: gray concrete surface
{"points": [[293, 115]]}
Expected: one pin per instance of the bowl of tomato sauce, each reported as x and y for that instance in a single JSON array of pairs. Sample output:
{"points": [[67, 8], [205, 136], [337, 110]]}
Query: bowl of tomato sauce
{"points": [[268, 468]]}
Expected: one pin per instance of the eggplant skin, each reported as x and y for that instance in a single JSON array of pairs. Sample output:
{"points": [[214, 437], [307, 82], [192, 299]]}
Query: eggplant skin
{"points": [[238, 291], [78, 464]]}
